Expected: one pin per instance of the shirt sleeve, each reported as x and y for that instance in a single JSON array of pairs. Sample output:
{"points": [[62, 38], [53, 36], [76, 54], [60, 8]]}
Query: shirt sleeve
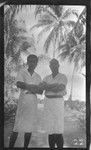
{"points": [[20, 77], [40, 80], [63, 79], [45, 79]]}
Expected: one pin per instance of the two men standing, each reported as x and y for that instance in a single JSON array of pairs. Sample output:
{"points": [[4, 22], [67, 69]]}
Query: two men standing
{"points": [[31, 84]]}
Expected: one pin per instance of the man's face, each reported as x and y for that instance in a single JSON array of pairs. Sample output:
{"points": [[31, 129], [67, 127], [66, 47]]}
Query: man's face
{"points": [[54, 66], [32, 64]]}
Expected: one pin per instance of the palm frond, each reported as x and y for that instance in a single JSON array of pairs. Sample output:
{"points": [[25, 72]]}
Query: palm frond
{"points": [[69, 12], [46, 18], [39, 9], [82, 39], [61, 8], [53, 36], [49, 40], [78, 21], [71, 57], [19, 7], [57, 9], [83, 14], [43, 22], [61, 47], [75, 12], [79, 56], [52, 15], [70, 23], [79, 30], [83, 64], [71, 41], [77, 60], [62, 34], [57, 34], [37, 26], [47, 28], [63, 55]]}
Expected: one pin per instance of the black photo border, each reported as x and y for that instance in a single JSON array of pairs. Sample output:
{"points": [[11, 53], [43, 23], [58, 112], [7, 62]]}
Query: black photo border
{"points": [[88, 58]]}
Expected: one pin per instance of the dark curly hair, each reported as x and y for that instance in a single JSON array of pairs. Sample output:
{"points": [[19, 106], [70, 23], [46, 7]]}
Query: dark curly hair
{"points": [[32, 58]]}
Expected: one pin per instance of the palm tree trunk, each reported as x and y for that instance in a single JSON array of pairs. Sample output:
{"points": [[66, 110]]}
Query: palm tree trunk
{"points": [[54, 54], [71, 90], [54, 47]]}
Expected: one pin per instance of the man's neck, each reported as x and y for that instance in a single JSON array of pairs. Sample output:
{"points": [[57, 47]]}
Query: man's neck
{"points": [[54, 73], [31, 71]]}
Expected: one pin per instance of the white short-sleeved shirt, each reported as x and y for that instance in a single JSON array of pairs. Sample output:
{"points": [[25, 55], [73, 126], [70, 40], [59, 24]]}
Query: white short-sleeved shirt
{"points": [[59, 78], [25, 76]]}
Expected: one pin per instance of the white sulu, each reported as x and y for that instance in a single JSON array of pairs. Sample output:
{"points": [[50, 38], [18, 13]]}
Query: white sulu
{"points": [[26, 115]]}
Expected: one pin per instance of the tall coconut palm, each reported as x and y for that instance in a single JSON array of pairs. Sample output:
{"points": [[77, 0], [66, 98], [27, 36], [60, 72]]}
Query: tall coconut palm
{"points": [[15, 41], [75, 47], [53, 19], [11, 30], [13, 35]]}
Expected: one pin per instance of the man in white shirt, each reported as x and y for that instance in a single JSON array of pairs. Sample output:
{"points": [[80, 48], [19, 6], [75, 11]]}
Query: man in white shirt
{"points": [[53, 119], [26, 116]]}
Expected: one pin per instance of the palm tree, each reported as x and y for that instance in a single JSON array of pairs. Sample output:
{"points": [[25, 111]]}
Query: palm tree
{"points": [[13, 35], [75, 47], [15, 41], [53, 20], [11, 31]]}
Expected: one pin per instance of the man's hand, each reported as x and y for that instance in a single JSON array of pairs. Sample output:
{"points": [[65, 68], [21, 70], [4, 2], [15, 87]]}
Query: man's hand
{"points": [[21, 85], [63, 93], [58, 88], [43, 85]]}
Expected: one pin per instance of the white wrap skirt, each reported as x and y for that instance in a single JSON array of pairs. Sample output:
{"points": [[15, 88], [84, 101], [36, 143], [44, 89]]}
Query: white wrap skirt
{"points": [[53, 116], [26, 115]]}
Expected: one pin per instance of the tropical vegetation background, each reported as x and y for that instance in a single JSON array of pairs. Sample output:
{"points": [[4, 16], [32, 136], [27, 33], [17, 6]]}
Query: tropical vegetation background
{"points": [[49, 31]]}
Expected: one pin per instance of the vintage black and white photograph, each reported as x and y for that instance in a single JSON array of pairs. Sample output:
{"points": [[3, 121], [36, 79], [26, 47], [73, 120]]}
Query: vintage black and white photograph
{"points": [[45, 76]]}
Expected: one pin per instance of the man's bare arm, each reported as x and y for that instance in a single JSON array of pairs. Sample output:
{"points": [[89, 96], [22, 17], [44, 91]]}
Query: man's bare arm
{"points": [[58, 88], [45, 86], [35, 89], [22, 85]]}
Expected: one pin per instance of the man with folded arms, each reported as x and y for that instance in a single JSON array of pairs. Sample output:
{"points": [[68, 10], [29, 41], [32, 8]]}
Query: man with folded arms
{"points": [[53, 117]]}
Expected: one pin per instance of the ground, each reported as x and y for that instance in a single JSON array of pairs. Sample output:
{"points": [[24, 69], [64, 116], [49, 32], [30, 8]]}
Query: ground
{"points": [[73, 137]]}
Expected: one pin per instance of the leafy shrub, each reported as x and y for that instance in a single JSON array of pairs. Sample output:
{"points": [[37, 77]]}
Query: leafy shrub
{"points": [[76, 104], [82, 122], [9, 109]]}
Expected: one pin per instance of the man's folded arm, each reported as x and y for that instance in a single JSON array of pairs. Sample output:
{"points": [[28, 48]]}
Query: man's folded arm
{"points": [[46, 86], [58, 88], [21, 85], [30, 87]]}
